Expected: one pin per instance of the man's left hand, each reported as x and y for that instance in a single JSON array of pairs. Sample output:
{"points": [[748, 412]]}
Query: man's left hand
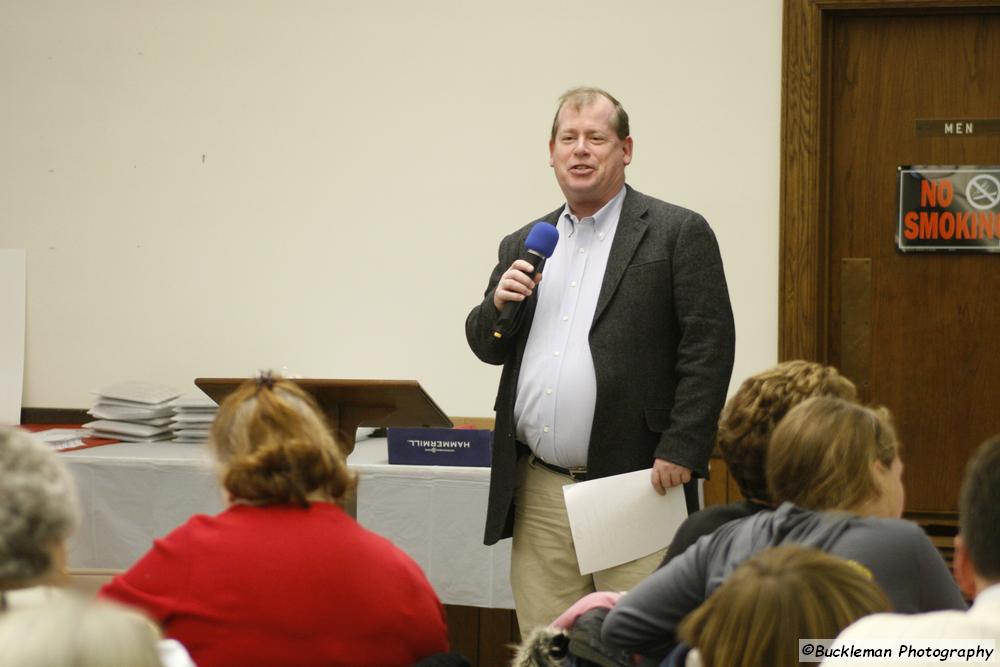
{"points": [[666, 474]]}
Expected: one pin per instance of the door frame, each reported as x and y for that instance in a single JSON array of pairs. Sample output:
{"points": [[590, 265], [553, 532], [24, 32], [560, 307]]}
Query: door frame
{"points": [[803, 301]]}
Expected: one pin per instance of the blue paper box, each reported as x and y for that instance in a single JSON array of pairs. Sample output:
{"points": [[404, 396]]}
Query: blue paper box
{"points": [[440, 446]]}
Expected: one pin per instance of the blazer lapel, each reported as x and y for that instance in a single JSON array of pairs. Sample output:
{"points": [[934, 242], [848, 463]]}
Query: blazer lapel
{"points": [[631, 228]]}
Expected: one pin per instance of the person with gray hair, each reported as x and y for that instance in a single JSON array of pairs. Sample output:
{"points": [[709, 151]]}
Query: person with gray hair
{"points": [[38, 512]]}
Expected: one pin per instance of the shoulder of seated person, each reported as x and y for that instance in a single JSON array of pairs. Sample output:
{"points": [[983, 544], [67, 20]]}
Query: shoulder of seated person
{"points": [[31, 596], [898, 526], [878, 626]]}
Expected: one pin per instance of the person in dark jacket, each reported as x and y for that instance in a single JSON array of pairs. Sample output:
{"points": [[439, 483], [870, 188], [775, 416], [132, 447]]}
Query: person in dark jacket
{"points": [[834, 466], [619, 361]]}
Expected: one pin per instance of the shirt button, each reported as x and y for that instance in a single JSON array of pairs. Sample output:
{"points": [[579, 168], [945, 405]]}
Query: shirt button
{"points": [[580, 251], [548, 392], [573, 284], [545, 429], [565, 318], [556, 353], [600, 236]]}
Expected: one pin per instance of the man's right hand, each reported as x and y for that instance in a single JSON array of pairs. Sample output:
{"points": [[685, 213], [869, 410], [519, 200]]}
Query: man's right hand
{"points": [[515, 284]]}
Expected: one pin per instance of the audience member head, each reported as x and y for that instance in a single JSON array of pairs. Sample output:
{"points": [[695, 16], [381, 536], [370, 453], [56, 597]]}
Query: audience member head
{"points": [[274, 446], [38, 512], [72, 631], [752, 413], [977, 547], [832, 454], [783, 594]]}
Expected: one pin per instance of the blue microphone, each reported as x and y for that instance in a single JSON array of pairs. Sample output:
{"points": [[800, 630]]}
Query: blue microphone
{"points": [[538, 247]]}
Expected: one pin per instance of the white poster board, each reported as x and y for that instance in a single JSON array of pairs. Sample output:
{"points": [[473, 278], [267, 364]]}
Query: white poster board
{"points": [[12, 294]]}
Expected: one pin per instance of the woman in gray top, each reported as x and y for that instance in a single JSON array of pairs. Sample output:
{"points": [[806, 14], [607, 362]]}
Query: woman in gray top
{"points": [[834, 467], [745, 428]]}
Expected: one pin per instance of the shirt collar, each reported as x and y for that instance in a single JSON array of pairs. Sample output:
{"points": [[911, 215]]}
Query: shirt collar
{"points": [[605, 219], [990, 592]]}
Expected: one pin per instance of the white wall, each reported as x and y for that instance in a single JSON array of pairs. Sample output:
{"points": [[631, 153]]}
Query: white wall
{"points": [[205, 188]]}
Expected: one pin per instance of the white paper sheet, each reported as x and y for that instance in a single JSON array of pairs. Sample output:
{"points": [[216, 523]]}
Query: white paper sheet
{"points": [[143, 393], [104, 411], [12, 296], [621, 518], [62, 438]]}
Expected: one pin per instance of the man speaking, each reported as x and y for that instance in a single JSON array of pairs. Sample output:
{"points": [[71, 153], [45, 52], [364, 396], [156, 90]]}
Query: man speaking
{"points": [[618, 358]]}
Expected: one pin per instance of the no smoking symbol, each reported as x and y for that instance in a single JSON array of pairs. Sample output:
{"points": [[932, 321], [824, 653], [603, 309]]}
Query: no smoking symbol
{"points": [[983, 192]]}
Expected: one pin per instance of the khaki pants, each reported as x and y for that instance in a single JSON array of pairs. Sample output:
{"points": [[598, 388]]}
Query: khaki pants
{"points": [[544, 572]]}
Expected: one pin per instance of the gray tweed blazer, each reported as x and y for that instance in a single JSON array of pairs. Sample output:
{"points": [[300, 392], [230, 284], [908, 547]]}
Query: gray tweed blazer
{"points": [[662, 341]]}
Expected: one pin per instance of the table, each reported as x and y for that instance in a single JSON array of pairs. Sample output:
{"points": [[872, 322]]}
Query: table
{"points": [[132, 493]]}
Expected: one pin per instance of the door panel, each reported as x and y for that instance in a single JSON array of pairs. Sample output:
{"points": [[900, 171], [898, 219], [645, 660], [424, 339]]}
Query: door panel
{"points": [[927, 355]]}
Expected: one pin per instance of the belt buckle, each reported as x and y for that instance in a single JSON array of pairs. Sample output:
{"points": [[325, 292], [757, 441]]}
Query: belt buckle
{"points": [[577, 474]]}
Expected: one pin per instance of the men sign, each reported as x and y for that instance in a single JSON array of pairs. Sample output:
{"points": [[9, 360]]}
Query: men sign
{"points": [[949, 208]]}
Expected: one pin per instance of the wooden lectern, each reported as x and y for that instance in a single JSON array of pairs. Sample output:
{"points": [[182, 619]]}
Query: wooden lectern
{"points": [[349, 404]]}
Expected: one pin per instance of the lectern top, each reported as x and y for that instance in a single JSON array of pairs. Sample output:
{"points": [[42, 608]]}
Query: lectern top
{"points": [[380, 403]]}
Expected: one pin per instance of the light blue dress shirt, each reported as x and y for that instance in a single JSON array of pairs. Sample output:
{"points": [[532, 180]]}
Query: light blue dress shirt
{"points": [[557, 386]]}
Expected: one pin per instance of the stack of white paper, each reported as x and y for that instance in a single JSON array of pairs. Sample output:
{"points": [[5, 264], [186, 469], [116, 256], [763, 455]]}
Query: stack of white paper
{"points": [[193, 416], [62, 438], [133, 412]]}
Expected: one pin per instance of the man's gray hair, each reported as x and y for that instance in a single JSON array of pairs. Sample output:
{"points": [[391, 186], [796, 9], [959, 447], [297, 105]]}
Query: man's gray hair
{"points": [[38, 507], [584, 96]]}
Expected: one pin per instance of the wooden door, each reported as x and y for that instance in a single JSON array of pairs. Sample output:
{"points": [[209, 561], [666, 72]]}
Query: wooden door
{"points": [[912, 330]]}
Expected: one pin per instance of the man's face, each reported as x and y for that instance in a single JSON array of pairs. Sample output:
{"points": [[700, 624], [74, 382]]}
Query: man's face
{"points": [[588, 157]]}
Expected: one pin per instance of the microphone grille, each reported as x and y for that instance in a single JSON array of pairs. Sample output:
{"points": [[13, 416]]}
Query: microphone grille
{"points": [[542, 239]]}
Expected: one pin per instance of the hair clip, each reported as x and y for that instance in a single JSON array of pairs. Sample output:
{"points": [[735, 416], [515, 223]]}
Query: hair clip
{"points": [[265, 379]]}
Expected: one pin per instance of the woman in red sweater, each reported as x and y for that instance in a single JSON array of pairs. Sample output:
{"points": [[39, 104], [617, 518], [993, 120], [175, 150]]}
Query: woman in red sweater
{"points": [[283, 576]]}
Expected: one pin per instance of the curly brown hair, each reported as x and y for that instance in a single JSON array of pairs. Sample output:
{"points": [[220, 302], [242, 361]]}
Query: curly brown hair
{"points": [[751, 415], [274, 446]]}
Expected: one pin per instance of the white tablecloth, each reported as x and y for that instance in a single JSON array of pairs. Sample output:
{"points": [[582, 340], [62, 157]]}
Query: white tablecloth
{"points": [[132, 493]]}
